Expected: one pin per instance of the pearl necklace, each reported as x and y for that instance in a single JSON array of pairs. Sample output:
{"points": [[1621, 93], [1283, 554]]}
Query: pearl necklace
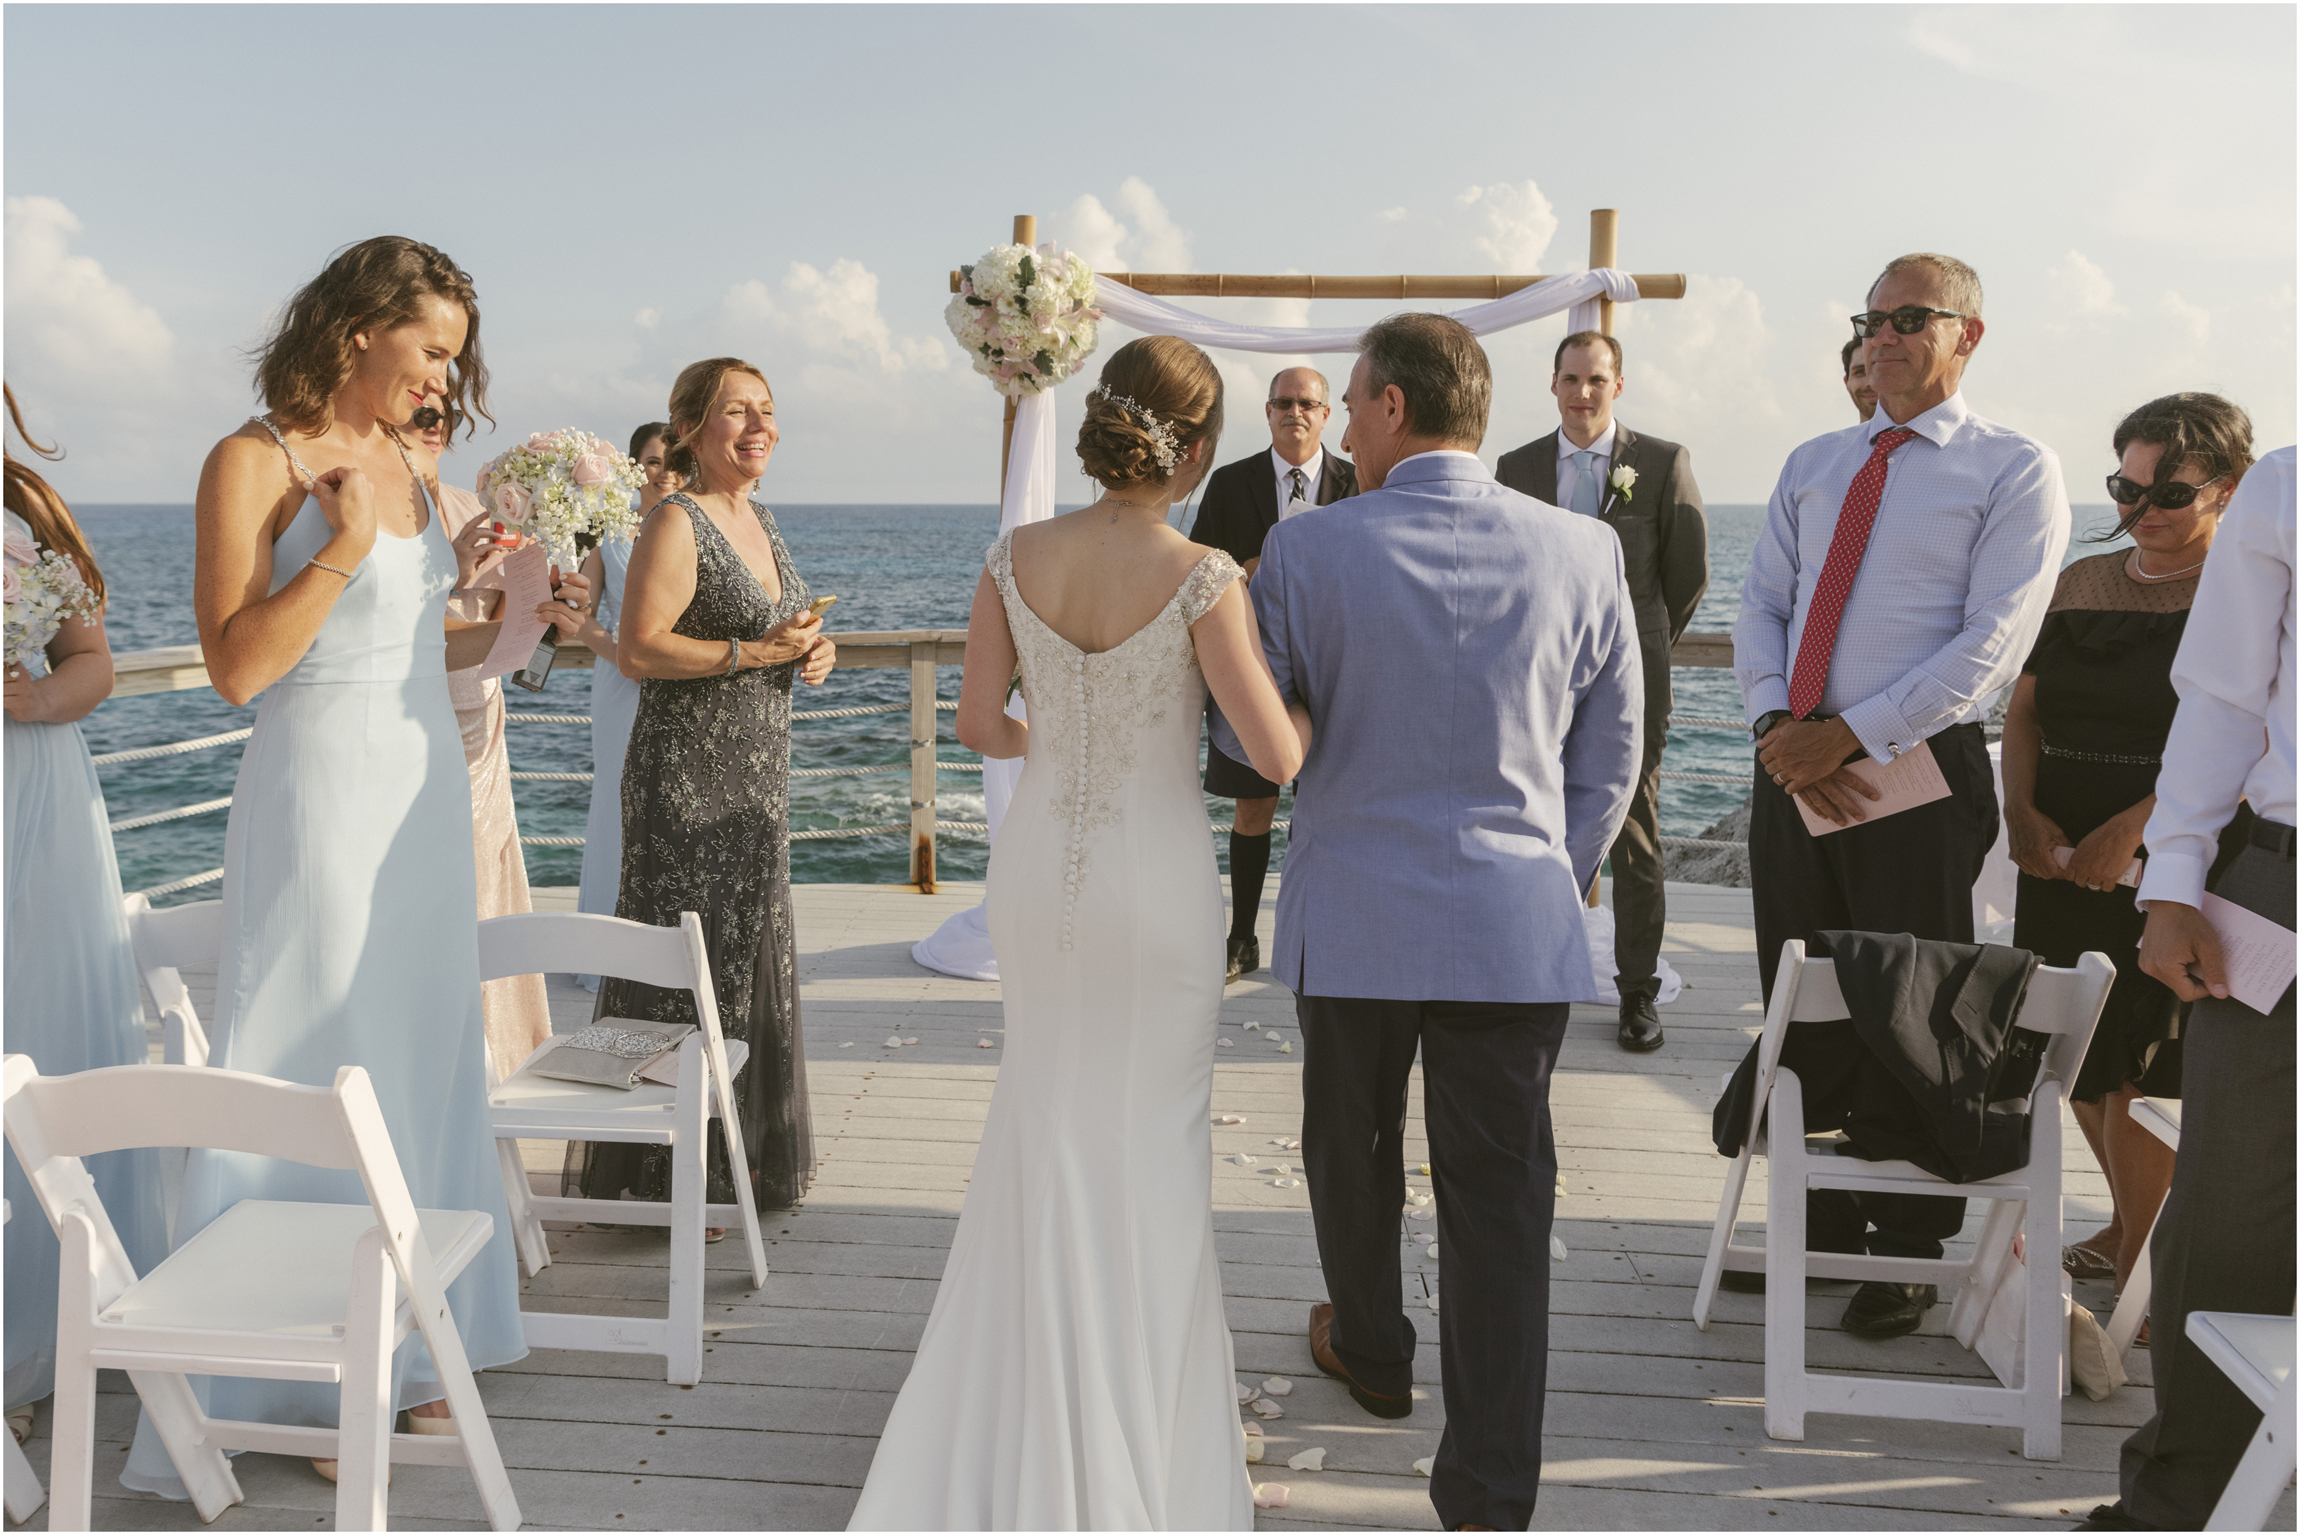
{"points": [[2139, 572]]}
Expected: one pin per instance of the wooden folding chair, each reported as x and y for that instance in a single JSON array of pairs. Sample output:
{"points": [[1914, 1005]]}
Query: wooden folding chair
{"points": [[25, 1494], [165, 941], [2255, 1353], [272, 1289], [2160, 1117], [2062, 1003], [531, 1107]]}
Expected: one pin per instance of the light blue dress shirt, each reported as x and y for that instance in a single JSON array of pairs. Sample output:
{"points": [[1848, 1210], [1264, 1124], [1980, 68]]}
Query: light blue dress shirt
{"points": [[1950, 593]]}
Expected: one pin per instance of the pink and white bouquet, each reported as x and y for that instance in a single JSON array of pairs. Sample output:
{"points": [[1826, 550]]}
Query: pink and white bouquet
{"points": [[1025, 315], [39, 589], [556, 485]]}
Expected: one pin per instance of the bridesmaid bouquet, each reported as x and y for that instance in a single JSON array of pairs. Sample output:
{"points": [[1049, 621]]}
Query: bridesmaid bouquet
{"points": [[39, 589], [1025, 315], [556, 485]]}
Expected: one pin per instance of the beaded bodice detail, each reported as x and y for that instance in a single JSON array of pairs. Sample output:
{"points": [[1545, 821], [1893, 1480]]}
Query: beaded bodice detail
{"points": [[1088, 713]]}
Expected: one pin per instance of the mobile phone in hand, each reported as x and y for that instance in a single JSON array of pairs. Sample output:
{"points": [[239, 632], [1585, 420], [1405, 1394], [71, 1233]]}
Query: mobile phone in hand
{"points": [[820, 606]]}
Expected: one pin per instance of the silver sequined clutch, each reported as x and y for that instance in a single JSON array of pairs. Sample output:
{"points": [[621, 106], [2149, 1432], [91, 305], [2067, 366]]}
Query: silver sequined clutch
{"points": [[611, 1052]]}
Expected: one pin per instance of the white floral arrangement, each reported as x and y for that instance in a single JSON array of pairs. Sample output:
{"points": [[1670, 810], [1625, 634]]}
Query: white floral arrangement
{"points": [[1026, 316], [39, 588], [556, 485]]}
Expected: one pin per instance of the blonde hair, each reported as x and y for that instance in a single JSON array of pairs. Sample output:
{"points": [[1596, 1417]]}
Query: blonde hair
{"points": [[692, 395]]}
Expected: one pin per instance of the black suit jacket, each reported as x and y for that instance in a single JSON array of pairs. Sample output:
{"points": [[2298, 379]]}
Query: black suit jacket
{"points": [[1240, 506], [1664, 537]]}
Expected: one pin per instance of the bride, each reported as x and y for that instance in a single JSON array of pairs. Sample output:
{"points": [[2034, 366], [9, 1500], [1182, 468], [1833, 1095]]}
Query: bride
{"points": [[1076, 1370]]}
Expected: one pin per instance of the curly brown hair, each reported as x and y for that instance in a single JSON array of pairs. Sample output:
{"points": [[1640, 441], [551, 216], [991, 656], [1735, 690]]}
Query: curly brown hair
{"points": [[1165, 376], [44, 512], [378, 284]]}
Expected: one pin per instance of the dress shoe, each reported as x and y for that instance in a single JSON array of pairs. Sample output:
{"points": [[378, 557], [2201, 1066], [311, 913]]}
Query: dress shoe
{"points": [[1245, 958], [1882, 1310], [1322, 1351], [1640, 1025], [2112, 1516]]}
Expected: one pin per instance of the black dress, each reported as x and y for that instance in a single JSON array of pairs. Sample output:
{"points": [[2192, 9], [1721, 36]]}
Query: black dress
{"points": [[706, 828], [2104, 706]]}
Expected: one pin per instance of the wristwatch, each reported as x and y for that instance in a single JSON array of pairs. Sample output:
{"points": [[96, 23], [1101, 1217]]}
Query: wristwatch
{"points": [[1766, 722]]}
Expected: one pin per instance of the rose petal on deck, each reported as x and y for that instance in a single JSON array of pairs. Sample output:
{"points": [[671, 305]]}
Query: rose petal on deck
{"points": [[983, 1044], [1421, 1215], [848, 1045], [1271, 1494], [1278, 1385], [1229, 1119], [894, 1041], [912, 1040], [1253, 1452], [1308, 1460], [1242, 1159], [1253, 1429], [1268, 1409], [1556, 1247], [1245, 1392], [1433, 1303], [1285, 1049], [1433, 1249], [1223, 1044], [1423, 1465]]}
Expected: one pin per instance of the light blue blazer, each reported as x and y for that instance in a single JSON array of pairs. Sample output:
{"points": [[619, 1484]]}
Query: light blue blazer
{"points": [[1469, 659]]}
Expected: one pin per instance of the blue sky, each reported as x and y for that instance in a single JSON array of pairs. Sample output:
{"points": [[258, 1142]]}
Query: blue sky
{"points": [[635, 187]]}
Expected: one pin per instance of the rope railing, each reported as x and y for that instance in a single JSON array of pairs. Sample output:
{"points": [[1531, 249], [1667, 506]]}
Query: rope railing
{"points": [[172, 749], [180, 813]]}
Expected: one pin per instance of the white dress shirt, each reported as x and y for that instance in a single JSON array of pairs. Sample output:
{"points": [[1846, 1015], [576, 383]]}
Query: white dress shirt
{"points": [[1311, 473], [1950, 593], [2233, 734], [1568, 476]]}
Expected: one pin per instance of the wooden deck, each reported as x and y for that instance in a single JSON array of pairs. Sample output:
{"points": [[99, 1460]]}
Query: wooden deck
{"points": [[1651, 1424]]}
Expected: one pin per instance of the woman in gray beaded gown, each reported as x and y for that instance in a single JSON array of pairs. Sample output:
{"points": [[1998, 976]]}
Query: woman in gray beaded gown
{"points": [[716, 625]]}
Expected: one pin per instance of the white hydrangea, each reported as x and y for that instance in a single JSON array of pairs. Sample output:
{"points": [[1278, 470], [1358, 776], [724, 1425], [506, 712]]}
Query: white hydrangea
{"points": [[1025, 317]]}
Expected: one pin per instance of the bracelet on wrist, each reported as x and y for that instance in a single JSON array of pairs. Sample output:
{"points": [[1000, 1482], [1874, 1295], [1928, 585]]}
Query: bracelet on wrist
{"points": [[734, 656]]}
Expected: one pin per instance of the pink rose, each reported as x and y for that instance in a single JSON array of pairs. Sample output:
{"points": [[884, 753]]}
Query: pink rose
{"points": [[541, 442], [21, 550], [592, 469], [10, 586], [512, 502]]}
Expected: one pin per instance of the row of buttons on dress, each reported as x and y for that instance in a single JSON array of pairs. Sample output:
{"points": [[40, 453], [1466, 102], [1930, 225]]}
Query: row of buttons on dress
{"points": [[1077, 802]]}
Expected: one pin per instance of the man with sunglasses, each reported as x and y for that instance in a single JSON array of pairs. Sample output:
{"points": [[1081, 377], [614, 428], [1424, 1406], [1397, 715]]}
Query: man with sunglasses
{"points": [[1242, 503], [1642, 488], [1903, 573]]}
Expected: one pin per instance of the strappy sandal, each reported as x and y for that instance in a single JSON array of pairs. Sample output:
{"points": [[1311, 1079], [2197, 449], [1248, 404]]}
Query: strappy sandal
{"points": [[2083, 1262]]}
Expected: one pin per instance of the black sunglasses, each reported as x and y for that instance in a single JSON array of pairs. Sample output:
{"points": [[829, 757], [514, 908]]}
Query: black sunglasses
{"points": [[2172, 495], [425, 418], [1908, 319]]}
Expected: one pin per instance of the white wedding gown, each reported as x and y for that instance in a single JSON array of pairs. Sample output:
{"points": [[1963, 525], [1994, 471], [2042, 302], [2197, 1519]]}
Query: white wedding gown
{"points": [[1076, 1370]]}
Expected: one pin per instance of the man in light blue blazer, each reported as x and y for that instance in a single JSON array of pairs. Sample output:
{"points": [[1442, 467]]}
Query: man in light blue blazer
{"points": [[1469, 659]]}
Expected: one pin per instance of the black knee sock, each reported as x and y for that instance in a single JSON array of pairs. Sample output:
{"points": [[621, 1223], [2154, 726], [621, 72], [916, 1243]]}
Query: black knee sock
{"points": [[1249, 862]]}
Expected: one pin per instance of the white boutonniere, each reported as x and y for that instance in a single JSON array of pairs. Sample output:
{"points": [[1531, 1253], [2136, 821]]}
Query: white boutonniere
{"points": [[1624, 478]]}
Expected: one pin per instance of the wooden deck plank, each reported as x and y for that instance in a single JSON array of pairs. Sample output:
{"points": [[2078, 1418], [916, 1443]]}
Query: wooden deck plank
{"points": [[1652, 1423]]}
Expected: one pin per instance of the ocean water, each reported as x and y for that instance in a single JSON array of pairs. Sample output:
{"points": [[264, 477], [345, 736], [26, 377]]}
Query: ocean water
{"points": [[893, 567]]}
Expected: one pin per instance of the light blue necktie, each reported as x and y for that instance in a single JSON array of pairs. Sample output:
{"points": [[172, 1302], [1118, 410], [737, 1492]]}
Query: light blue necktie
{"points": [[1585, 483]]}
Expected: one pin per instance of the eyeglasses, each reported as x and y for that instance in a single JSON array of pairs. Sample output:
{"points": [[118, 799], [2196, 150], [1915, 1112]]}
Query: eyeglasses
{"points": [[2172, 495], [1286, 405], [1908, 319]]}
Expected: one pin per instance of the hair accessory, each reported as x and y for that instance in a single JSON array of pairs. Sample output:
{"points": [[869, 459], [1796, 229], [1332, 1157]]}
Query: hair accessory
{"points": [[1164, 446]]}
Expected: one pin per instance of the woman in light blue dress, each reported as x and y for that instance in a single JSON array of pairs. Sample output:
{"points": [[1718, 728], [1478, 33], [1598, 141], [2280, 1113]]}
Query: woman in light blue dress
{"points": [[350, 903], [614, 697], [71, 1001]]}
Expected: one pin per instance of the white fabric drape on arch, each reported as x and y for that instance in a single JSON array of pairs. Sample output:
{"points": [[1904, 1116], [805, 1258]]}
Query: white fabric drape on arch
{"points": [[961, 946]]}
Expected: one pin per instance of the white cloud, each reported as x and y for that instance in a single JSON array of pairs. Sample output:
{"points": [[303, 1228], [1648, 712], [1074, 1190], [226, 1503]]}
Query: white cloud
{"points": [[1392, 215], [1152, 242], [67, 321], [2194, 318], [2081, 289], [1519, 224]]}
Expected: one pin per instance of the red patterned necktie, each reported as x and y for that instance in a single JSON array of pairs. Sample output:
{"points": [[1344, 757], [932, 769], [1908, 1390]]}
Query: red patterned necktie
{"points": [[1846, 547]]}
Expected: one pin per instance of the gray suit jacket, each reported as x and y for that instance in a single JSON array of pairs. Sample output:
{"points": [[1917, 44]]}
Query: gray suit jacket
{"points": [[1664, 537], [1469, 660]]}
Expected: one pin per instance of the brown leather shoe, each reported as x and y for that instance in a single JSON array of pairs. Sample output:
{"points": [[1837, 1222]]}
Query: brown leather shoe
{"points": [[1322, 1352]]}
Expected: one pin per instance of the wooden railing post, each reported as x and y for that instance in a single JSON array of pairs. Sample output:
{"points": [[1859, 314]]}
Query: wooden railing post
{"points": [[922, 770]]}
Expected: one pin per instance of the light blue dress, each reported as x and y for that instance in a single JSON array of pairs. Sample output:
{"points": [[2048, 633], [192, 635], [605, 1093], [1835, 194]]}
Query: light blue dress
{"points": [[614, 704], [71, 1003], [351, 938]]}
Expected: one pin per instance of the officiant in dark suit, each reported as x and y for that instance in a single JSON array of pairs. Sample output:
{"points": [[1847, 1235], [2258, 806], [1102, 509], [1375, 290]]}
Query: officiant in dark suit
{"points": [[1242, 503], [1641, 487]]}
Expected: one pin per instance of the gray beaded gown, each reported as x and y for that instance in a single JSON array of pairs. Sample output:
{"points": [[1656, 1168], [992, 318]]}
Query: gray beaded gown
{"points": [[706, 828]]}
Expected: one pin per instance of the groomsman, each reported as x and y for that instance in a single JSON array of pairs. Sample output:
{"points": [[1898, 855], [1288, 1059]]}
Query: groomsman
{"points": [[1901, 577], [1243, 502], [1642, 488], [1857, 386]]}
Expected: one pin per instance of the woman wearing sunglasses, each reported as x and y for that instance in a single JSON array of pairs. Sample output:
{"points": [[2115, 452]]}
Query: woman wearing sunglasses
{"points": [[2083, 735]]}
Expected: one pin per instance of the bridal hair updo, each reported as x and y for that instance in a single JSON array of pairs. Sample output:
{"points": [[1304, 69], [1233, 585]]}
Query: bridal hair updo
{"points": [[378, 284], [692, 394], [1174, 382]]}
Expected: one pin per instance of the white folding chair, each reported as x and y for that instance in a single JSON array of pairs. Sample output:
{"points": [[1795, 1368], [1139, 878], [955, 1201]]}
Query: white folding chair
{"points": [[165, 941], [25, 1494], [531, 1107], [2062, 1003], [2160, 1117], [270, 1289], [2254, 1352]]}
